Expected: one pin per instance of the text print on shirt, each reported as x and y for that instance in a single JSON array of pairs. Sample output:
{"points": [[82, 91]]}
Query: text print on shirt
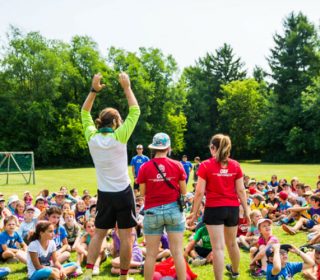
{"points": [[224, 172]]}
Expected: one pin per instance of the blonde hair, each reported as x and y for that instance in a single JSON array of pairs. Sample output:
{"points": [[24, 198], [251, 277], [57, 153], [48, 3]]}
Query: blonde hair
{"points": [[222, 143]]}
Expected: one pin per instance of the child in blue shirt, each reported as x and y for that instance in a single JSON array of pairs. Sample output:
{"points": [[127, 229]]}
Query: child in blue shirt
{"points": [[9, 239]]}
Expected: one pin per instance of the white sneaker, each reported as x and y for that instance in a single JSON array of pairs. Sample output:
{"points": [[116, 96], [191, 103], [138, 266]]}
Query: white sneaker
{"points": [[96, 271]]}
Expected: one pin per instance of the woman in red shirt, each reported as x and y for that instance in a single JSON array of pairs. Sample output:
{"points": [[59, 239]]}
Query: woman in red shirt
{"points": [[221, 179], [162, 180]]}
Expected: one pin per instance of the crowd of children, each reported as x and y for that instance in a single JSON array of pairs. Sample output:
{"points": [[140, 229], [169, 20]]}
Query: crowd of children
{"points": [[42, 232]]}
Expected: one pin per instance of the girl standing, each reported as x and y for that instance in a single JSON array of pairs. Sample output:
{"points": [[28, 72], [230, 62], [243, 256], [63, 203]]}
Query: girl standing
{"points": [[162, 180], [221, 178]]}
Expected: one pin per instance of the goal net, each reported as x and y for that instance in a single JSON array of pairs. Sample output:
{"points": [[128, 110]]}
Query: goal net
{"points": [[18, 163]]}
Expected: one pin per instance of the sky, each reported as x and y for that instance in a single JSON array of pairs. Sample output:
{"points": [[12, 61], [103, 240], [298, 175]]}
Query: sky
{"points": [[186, 29]]}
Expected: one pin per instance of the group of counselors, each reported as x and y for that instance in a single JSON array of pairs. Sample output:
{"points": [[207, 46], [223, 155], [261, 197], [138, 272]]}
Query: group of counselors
{"points": [[162, 181]]}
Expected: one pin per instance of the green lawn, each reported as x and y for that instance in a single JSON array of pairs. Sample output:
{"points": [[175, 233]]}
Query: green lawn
{"points": [[84, 178]]}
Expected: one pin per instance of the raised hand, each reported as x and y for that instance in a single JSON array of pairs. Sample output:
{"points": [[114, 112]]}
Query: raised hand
{"points": [[124, 80], [96, 82]]}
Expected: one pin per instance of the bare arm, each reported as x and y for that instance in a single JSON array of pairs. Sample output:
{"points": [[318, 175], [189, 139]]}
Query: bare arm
{"points": [[142, 189], [97, 86], [243, 197], [307, 260], [183, 187], [276, 260], [35, 260], [200, 189], [126, 85]]}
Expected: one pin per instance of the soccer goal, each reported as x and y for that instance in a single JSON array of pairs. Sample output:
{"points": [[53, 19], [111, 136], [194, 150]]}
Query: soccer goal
{"points": [[18, 163]]}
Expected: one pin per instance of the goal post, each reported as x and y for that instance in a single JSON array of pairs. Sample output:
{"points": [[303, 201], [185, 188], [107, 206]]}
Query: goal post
{"points": [[18, 163]]}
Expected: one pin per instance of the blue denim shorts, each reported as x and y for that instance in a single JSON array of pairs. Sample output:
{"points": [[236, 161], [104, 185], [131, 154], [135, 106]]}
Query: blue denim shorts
{"points": [[167, 216]]}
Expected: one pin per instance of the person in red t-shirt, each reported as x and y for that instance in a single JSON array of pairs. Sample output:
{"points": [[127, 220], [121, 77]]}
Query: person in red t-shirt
{"points": [[162, 180], [221, 178]]}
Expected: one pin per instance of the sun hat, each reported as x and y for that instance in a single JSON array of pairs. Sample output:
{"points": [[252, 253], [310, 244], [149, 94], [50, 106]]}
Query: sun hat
{"points": [[40, 198], [30, 207], [139, 146], [251, 182], [160, 141], [2, 198], [13, 198], [262, 221], [307, 193]]}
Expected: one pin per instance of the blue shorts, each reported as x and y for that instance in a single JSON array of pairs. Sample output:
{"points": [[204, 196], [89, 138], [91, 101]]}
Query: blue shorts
{"points": [[167, 216], [310, 224], [45, 273]]}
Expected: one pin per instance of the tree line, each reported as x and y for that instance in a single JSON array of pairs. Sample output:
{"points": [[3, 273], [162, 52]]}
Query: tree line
{"points": [[273, 115]]}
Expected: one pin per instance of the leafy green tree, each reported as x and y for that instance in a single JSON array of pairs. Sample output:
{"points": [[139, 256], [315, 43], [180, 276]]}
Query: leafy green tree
{"points": [[294, 62], [203, 85], [240, 109]]}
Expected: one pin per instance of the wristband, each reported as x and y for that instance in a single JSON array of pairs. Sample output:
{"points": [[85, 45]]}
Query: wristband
{"points": [[93, 90]]}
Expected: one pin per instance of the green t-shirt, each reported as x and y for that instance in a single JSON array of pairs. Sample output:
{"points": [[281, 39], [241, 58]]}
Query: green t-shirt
{"points": [[202, 233]]}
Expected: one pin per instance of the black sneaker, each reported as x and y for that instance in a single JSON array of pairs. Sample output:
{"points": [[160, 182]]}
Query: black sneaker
{"points": [[234, 275]]}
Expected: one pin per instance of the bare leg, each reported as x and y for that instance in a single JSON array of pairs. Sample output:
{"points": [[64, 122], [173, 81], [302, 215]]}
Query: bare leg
{"points": [[176, 248], [216, 233], [125, 236], [230, 235], [95, 245], [152, 250]]}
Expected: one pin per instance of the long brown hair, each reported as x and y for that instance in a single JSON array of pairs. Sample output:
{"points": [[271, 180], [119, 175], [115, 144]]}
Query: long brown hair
{"points": [[222, 143], [106, 118], [41, 226]]}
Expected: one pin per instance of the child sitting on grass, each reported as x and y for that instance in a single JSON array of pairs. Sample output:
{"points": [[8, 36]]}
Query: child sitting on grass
{"points": [[253, 234], [42, 252], [200, 254], [19, 212], [9, 239], [258, 253], [72, 228], [60, 237], [314, 212], [28, 226], [83, 245], [136, 259], [258, 203]]}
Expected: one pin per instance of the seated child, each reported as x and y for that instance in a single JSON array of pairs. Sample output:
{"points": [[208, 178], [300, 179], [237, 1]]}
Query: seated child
{"points": [[83, 245], [164, 251], [259, 204], [278, 265], [253, 234], [42, 252], [9, 239], [314, 213], [72, 228], [200, 254], [258, 252], [136, 259], [28, 226]]}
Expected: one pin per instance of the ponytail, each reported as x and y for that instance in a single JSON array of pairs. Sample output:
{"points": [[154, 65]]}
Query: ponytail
{"points": [[41, 226], [222, 143]]}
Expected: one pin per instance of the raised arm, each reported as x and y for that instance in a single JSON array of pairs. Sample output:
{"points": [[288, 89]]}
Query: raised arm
{"points": [[96, 86], [126, 85]]}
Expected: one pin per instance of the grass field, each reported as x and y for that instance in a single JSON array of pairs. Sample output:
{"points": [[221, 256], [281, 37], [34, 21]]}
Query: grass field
{"points": [[84, 178]]}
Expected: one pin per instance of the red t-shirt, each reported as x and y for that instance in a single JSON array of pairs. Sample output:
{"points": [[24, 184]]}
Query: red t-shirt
{"points": [[157, 191], [220, 182]]}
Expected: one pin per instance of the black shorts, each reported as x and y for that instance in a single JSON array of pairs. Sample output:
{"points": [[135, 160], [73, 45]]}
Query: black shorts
{"points": [[136, 186], [226, 215], [202, 252], [116, 207]]}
